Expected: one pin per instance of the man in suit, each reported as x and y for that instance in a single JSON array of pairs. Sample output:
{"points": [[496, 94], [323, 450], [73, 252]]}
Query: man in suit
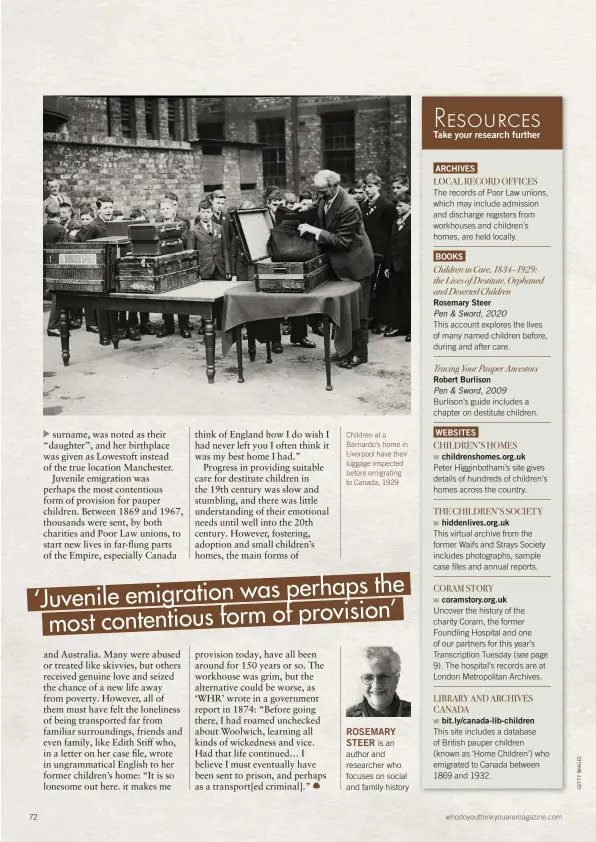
{"points": [[379, 214], [344, 238], [56, 197], [398, 272]]}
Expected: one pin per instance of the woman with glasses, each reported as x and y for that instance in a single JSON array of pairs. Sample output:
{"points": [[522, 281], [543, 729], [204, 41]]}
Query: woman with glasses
{"points": [[381, 667]]}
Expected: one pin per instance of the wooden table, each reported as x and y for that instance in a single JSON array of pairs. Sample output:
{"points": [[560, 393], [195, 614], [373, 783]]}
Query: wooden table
{"points": [[198, 299]]}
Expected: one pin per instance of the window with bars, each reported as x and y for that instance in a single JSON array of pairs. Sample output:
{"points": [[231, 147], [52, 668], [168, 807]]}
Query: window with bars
{"points": [[127, 116], [211, 131], [272, 132], [338, 143], [172, 107], [151, 118]]}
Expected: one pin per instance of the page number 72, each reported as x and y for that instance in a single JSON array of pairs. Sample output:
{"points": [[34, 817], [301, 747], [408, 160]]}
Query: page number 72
{"points": [[32, 817]]}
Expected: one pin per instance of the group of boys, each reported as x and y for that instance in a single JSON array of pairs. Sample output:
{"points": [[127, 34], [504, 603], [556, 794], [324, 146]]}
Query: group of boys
{"points": [[220, 256], [209, 236], [387, 224]]}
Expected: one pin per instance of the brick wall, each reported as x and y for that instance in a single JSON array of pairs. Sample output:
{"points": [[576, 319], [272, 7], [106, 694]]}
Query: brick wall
{"points": [[136, 172], [399, 135], [239, 117], [209, 108], [162, 119], [234, 195], [381, 131], [260, 103], [331, 100], [371, 131], [88, 115], [133, 176], [138, 176], [310, 140]]}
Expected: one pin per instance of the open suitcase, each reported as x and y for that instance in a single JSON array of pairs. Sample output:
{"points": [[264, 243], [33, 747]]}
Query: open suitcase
{"points": [[253, 227]]}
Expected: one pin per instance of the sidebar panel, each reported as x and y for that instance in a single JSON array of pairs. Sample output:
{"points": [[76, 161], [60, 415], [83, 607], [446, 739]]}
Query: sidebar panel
{"points": [[492, 231]]}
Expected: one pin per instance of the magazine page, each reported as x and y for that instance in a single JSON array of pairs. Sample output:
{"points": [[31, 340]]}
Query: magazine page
{"points": [[302, 439]]}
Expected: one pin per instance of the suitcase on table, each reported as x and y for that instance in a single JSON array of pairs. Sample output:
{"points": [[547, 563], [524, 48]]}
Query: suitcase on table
{"points": [[155, 274], [147, 232], [157, 237], [253, 227], [282, 276], [83, 267], [157, 248]]}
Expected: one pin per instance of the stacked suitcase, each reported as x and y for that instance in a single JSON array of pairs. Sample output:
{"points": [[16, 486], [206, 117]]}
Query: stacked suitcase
{"points": [[253, 227], [156, 274], [158, 261], [156, 238], [152, 261]]}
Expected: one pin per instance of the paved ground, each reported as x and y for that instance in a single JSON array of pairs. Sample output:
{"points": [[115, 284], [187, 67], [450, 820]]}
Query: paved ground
{"points": [[167, 377]]}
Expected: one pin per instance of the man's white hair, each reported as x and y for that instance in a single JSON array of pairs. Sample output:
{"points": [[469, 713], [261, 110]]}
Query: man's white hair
{"points": [[332, 178], [383, 653]]}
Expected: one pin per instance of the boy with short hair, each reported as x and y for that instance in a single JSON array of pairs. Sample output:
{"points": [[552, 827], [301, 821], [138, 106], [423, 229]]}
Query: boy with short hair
{"points": [[274, 200], [85, 219], [67, 218], [306, 199], [290, 200], [178, 217], [210, 240], [167, 213], [95, 231]]}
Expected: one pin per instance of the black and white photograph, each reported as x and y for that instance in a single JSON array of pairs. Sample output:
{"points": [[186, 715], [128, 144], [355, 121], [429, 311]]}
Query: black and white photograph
{"points": [[371, 679], [215, 254]]}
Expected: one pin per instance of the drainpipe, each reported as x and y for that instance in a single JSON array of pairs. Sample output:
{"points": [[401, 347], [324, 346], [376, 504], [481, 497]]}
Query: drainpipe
{"points": [[295, 146]]}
